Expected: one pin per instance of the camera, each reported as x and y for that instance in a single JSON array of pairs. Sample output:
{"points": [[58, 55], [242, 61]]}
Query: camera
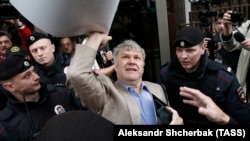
{"points": [[208, 12], [7, 11], [237, 17], [204, 15], [212, 44]]}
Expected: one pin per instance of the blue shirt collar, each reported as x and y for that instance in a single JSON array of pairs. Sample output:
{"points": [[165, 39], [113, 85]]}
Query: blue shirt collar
{"points": [[128, 88]]}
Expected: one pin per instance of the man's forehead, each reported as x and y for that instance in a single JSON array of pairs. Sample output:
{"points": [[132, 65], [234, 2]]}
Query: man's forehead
{"points": [[41, 43], [25, 72], [4, 37], [65, 40], [129, 51], [189, 48], [220, 20]]}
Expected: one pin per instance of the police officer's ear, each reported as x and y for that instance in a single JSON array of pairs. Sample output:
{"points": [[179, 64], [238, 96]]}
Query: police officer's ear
{"points": [[204, 44], [8, 86], [53, 48]]}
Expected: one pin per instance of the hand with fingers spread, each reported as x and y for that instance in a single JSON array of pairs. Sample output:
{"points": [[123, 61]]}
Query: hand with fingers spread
{"points": [[206, 106]]}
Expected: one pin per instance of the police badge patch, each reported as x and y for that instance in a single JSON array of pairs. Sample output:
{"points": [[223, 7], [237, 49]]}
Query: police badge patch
{"points": [[182, 43], [14, 49], [242, 94], [59, 109]]}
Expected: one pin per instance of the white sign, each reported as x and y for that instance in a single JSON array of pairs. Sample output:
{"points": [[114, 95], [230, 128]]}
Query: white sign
{"points": [[68, 17]]}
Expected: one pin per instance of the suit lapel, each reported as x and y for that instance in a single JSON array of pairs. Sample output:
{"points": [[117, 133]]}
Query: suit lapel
{"points": [[130, 103]]}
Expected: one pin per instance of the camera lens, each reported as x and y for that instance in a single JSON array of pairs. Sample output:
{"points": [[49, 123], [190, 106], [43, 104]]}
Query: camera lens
{"points": [[237, 17]]}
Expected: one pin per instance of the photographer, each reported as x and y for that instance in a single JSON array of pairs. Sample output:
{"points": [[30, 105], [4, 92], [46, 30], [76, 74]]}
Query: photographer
{"points": [[222, 55], [204, 17], [239, 39]]}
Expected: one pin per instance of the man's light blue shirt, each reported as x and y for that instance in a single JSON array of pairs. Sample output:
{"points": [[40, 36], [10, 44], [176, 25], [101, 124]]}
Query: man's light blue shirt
{"points": [[145, 104]]}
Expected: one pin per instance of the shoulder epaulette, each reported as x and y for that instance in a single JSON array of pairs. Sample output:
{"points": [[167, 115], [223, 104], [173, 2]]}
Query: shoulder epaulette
{"points": [[227, 69]]}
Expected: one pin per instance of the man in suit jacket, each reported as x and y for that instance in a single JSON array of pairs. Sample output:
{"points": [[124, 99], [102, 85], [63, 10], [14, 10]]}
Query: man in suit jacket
{"points": [[129, 100]]}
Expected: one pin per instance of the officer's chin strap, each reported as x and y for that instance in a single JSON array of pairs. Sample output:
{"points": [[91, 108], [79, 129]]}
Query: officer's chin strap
{"points": [[34, 132]]}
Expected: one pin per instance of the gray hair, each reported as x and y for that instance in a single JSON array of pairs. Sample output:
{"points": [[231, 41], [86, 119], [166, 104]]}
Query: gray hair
{"points": [[128, 45]]}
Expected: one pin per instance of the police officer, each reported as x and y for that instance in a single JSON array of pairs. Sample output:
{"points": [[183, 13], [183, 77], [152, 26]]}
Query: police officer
{"points": [[14, 50], [48, 64], [192, 68], [30, 103]]}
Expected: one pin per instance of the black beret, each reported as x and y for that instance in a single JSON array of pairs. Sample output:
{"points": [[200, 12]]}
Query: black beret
{"points": [[35, 36], [16, 50], [12, 66], [78, 125], [188, 37]]}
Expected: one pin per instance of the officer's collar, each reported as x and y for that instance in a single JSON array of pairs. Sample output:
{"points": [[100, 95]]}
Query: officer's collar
{"points": [[176, 67], [20, 106]]}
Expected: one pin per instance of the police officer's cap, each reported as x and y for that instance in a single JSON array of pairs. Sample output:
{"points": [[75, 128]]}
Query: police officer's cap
{"points": [[35, 36], [12, 66], [188, 37], [16, 51]]}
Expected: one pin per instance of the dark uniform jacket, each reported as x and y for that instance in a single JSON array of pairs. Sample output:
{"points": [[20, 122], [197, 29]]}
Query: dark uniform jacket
{"points": [[55, 74], [3, 98], [23, 121], [214, 80]]}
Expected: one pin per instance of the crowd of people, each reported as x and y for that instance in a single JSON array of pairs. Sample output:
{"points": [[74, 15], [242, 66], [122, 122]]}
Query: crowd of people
{"points": [[38, 82]]}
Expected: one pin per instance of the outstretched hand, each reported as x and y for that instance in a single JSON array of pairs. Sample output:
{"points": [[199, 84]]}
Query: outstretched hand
{"points": [[205, 105]]}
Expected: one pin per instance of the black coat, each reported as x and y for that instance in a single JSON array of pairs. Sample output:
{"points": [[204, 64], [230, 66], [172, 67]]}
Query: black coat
{"points": [[214, 80], [23, 121], [55, 74]]}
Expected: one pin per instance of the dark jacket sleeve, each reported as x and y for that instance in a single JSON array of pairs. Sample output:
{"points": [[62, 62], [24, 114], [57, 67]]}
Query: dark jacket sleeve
{"points": [[6, 134]]}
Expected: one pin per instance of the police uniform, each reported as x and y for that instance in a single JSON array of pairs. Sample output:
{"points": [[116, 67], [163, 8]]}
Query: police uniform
{"points": [[3, 98], [14, 50], [54, 75], [22, 121], [213, 79]]}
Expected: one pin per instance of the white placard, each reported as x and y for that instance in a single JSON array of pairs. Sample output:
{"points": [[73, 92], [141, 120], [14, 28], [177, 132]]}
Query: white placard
{"points": [[68, 17]]}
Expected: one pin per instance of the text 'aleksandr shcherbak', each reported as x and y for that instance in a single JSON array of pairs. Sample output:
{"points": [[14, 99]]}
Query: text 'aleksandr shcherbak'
{"points": [[168, 132]]}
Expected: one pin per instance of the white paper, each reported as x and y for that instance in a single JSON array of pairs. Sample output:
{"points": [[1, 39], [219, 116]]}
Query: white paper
{"points": [[68, 17]]}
